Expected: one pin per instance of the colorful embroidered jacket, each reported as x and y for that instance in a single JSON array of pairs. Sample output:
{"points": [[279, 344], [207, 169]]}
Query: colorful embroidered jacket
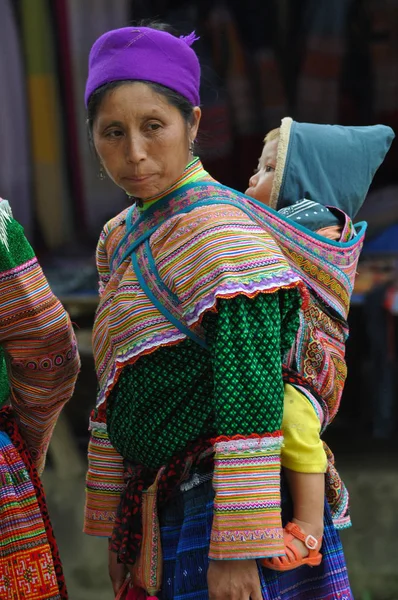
{"points": [[37, 341], [328, 268], [213, 258]]}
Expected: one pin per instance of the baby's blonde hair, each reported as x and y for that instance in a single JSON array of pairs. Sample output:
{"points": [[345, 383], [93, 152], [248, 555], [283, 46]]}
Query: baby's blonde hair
{"points": [[272, 135]]}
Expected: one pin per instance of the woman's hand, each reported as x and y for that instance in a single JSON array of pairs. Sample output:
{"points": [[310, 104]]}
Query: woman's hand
{"points": [[117, 572], [233, 580]]}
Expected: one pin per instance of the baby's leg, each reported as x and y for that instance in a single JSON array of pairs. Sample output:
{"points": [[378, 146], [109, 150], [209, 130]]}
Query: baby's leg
{"points": [[308, 495], [304, 461]]}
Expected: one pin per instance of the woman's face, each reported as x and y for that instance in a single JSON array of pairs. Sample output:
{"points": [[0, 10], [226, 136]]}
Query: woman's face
{"points": [[142, 141], [260, 184]]}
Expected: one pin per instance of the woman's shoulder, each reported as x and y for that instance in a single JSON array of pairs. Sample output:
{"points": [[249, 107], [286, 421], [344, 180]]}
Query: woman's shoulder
{"points": [[226, 223], [219, 237], [112, 232], [114, 222]]}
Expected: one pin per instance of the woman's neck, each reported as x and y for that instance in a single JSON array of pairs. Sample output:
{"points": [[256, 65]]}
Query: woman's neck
{"points": [[193, 171]]}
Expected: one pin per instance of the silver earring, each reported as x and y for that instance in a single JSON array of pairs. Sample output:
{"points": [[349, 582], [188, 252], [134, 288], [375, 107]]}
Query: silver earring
{"points": [[102, 173], [192, 147]]}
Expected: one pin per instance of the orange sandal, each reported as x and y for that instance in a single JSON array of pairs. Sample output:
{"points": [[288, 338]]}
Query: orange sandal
{"points": [[293, 559]]}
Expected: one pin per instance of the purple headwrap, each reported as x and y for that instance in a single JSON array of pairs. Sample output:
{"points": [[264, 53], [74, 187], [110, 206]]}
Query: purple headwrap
{"points": [[145, 54]]}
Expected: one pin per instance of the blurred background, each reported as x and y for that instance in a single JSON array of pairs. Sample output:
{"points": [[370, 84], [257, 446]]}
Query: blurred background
{"points": [[321, 61]]}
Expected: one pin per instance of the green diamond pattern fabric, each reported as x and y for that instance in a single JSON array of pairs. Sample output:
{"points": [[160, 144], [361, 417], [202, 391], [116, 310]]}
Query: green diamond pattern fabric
{"points": [[161, 403], [178, 393], [247, 351]]}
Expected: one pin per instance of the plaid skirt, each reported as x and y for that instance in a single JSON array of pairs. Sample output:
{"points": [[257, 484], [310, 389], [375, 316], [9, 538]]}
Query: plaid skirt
{"points": [[185, 530]]}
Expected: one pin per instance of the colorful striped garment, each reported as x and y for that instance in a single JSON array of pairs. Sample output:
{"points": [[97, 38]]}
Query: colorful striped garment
{"points": [[40, 354], [209, 253], [37, 338], [199, 246], [246, 481], [214, 256], [327, 268]]}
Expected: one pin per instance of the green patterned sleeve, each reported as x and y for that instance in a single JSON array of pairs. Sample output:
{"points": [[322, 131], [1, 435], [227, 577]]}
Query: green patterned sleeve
{"points": [[248, 338]]}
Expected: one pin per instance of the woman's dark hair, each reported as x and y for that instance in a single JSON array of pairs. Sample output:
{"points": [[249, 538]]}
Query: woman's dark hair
{"points": [[173, 98]]}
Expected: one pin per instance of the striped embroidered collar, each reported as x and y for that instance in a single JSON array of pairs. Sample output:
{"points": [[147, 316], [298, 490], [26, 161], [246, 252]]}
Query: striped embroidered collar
{"points": [[193, 171]]}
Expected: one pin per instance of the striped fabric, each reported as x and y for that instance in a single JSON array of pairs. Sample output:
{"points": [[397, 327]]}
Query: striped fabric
{"points": [[46, 133], [104, 484], [15, 164], [26, 563], [110, 235], [322, 45], [211, 252], [217, 252], [37, 337], [328, 269], [201, 259], [247, 485]]}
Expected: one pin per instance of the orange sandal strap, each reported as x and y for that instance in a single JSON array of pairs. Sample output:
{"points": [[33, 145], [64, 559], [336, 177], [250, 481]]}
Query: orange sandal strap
{"points": [[292, 558], [291, 555], [309, 540]]}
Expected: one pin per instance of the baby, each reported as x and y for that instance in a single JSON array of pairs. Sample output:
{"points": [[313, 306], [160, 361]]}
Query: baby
{"points": [[317, 176]]}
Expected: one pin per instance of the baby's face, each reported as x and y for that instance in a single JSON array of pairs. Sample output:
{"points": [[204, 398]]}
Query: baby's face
{"points": [[260, 184]]}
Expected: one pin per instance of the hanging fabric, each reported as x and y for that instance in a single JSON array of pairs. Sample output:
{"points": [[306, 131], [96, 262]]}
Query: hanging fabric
{"points": [[50, 177], [261, 28], [87, 21], [60, 8], [15, 172], [384, 61], [231, 64], [357, 76], [319, 80]]}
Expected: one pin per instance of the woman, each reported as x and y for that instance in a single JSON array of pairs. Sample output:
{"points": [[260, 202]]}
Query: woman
{"points": [[198, 309], [39, 367]]}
